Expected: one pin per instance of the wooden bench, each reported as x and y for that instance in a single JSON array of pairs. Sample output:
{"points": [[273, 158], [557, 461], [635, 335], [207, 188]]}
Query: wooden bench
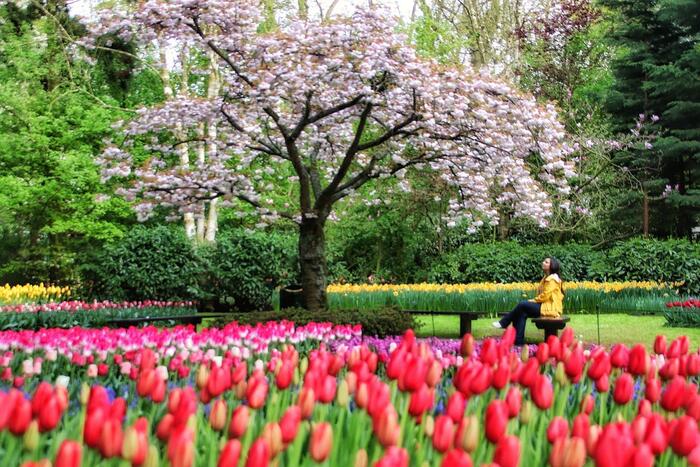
{"points": [[551, 326], [184, 319], [465, 317]]}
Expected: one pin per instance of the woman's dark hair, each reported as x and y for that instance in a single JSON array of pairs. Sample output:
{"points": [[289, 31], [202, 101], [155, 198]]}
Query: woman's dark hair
{"points": [[554, 265], [554, 268]]}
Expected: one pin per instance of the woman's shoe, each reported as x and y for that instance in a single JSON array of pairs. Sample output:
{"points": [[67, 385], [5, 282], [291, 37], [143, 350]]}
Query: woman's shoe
{"points": [[497, 325]]}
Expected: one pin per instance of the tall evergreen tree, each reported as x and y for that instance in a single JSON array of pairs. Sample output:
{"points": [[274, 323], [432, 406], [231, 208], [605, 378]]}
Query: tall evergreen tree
{"points": [[657, 73]]}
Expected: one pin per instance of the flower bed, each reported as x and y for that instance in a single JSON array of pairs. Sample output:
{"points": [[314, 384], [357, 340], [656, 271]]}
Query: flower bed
{"points": [[581, 297], [303, 395], [84, 314], [28, 293], [684, 314]]}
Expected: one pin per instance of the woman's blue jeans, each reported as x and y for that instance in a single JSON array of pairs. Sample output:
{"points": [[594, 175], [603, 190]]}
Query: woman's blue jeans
{"points": [[519, 316]]}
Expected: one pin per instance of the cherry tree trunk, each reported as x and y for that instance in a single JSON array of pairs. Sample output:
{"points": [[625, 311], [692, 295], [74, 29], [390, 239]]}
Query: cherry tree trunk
{"points": [[312, 261]]}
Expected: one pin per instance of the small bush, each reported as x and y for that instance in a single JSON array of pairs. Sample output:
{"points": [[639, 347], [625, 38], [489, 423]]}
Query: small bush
{"points": [[242, 270], [382, 322], [147, 264]]}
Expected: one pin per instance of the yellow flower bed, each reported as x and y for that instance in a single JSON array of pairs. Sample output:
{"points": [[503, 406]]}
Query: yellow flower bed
{"points": [[28, 293], [491, 287]]}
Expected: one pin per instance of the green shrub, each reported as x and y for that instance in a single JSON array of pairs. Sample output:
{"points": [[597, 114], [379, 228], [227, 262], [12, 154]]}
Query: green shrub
{"points": [[147, 264], [510, 262], [380, 322], [242, 269], [651, 260]]}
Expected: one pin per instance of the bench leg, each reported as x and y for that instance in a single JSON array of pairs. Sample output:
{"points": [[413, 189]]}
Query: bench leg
{"points": [[550, 332], [465, 324]]}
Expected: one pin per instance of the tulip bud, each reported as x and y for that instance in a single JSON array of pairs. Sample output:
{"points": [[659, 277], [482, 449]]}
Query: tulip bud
{"points": [[525, 353], [202, 376], [443, 436], [31, 436], [321, 442], [135, 446], [303, 365], [467, 345], [526, 412], [218, 415], [153, 457], [111, 438], [568, 452], [307, 400], [289, 423], [429, 427], [472, 437], [361, 459], [272, 434], [21, 416], [560, 374], [343, 394]]}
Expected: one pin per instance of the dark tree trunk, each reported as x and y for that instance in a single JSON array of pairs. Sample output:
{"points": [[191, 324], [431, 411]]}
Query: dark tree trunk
{"points": [[312, 261]]}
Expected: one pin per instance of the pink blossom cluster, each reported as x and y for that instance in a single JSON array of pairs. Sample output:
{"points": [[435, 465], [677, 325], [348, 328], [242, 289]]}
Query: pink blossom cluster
{"points": [[76, 305], [330, 106]]}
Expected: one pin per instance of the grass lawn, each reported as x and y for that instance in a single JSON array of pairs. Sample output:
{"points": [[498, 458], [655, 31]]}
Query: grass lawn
{"points": [[614, 328]]}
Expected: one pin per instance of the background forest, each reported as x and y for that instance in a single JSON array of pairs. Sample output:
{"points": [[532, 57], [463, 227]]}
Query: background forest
{"points": [[625, 76]]}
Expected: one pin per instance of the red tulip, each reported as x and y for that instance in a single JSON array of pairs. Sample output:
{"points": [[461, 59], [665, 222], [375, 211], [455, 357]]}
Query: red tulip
{"points": [[660, 345], [619, 357], [599, 364], [542, 392], [135, 446], [673, 396], [256, 392], [656, 434], [496, 420], [581, 426], [258, 454], [393, 457], [456, 405], [507, 452], [379, 397], [111, 438], [239, 421], [321, 442], [21, 416], [684, 436], [602, 384], [50, 414], [558, 428], [327, 389], [146, 382], [307, 401], [501, 375], [514, 401], [42, 394], [614, 447], [386, 426], [692, 365], [638, 360], [644, 409], [574, 364], [481, 379], [421, 401], [624, 389], [158, 391], [456, 458], [554, 347], [230, 454], [69, 454], [652, 391], [530, 373], [489, 351], [444, 433], [285, 375], [414, 375], [289, 423]]}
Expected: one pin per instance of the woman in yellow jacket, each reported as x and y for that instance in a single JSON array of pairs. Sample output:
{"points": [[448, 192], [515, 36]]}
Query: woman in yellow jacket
{"points": [[547, 303]]}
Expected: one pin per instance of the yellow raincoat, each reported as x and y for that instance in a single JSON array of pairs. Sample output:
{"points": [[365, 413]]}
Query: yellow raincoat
{"points": [[551, 296]]}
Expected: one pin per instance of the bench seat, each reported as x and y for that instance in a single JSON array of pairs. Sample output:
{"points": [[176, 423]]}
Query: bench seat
{"points": [[551, 326]]}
